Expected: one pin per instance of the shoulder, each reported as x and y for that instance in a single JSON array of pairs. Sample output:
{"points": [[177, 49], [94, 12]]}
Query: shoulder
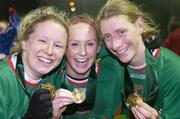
{"points": [[6, 74], [168, 56], [111, 63], [4, 64], [168, 60], [168, 64], [111, 69]]}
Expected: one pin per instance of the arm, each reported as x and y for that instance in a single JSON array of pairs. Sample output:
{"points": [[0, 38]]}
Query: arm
{"points": [[3, 102], [167, 102], [108, 91], [144, 111], [40, 105]]}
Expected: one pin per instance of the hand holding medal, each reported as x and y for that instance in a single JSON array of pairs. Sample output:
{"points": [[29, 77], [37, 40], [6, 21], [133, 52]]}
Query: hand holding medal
{"points": [[133, 98], [49, 87]]}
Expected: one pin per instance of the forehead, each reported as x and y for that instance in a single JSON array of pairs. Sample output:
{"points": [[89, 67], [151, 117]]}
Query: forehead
{"points": [[115, 21], [82, 32], [81, 26], [83, 29], [49, 27]]}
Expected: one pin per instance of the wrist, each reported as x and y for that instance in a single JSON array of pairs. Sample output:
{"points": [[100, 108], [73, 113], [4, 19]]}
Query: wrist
{"points": [[59, 117]]}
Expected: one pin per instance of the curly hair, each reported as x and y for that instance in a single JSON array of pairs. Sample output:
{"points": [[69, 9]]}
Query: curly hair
{"points": [[34, 17]]}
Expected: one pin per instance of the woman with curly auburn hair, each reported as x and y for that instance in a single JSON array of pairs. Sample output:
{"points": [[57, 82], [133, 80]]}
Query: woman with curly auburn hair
{"points": [[97, 81]]}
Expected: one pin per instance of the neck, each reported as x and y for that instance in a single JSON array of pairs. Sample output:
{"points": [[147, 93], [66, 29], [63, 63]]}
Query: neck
{"points": [[139, 58], [76, 74], [28, 70]]}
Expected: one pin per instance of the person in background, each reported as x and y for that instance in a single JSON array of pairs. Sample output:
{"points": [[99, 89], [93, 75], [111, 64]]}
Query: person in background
{"points": [[100, 81], [3, 26], [8, 31], [40, 47], [2, 56], [152, 75], [172, 41]]}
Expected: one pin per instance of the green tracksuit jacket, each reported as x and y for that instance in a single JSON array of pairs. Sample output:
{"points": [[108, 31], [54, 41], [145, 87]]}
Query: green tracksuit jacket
{"points": [[159, 83], [14, 101]]}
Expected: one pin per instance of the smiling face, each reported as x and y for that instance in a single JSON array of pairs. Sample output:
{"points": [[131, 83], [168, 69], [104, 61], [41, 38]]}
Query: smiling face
{"points": [[82, 49], [44, 48], [123, 38]]}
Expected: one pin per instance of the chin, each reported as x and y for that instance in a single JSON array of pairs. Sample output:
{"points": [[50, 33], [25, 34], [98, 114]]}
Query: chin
{"points": [[82, 72], [43, 72], [124, 59]]}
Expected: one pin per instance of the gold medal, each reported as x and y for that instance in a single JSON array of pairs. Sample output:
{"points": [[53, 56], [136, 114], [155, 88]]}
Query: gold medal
{"points": [[49, 87], [133, 98], [79, 95]]}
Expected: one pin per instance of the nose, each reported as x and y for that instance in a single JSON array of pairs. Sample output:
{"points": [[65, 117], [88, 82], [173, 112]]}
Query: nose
{"points": [[83, 50], [50, 48], [116, 43]]}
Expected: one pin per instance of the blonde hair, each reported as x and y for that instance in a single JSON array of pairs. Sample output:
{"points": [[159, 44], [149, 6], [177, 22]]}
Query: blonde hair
{"points": [[34, 17], [125, 7]]}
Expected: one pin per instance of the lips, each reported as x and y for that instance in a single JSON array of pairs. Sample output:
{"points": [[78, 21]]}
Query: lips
{"points": [[45, 60], [123, 51], [80, 60]]}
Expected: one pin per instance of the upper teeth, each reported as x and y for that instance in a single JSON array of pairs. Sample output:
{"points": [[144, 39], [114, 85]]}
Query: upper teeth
{"points": [[124, 50], [45, 60], [81, 60]]}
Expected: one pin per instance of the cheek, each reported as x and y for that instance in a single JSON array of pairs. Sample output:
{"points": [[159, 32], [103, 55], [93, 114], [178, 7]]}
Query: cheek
{"points": [[108, 44], [93, 51], [59, 54]]}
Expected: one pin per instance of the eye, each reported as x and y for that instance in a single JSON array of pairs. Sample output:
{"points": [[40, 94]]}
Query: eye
{"points": [[74, 44], [107, 37], [120, 32], [59, 46], [91, 44], [42, 40]]}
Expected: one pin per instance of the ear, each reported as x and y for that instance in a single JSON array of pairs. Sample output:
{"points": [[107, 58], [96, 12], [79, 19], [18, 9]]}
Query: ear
{"points": [[99, 47], [140, 25], [23, 45]]}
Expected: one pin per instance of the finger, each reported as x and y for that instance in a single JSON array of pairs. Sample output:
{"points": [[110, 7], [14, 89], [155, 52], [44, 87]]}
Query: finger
{"points": [[63, 109], [64, 93], [134, 113], [64, 90], [57, 107], [59, 104], [152, 111], [138, 114], [143, 111], [61, 100]]}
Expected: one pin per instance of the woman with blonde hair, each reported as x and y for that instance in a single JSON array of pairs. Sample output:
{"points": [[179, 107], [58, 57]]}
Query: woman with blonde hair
{"points": [[40, 47], [152, 84]]}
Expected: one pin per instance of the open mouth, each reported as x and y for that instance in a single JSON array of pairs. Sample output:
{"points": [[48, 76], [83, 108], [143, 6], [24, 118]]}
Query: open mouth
{"points": [[81, 60], [45, 60]]}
